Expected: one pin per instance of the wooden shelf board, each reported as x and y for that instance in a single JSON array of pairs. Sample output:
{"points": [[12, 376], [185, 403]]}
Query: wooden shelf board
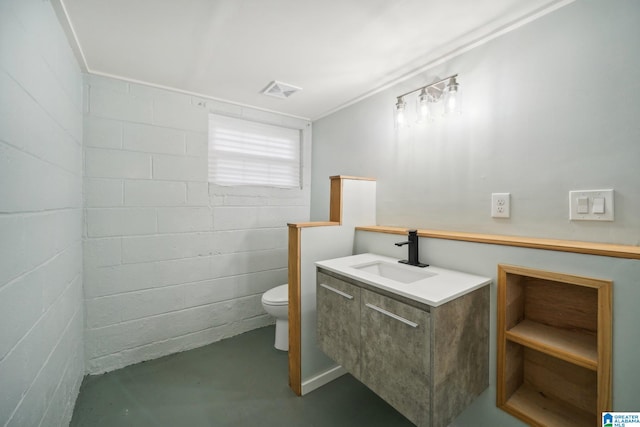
{"points": [[312, 224], [592, 248], [574, 347], [357, 178], [543, 411]]}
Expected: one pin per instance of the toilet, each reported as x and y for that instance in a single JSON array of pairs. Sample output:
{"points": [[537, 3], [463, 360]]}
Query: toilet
{"points": [[276, 302]]}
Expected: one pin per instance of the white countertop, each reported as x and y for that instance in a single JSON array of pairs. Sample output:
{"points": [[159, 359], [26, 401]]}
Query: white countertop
{"points": [[441, 286]]}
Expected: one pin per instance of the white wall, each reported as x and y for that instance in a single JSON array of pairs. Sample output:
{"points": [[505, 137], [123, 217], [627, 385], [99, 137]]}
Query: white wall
{"points": [[317, 244], [171, 262], [41, 315], [549, 107], [322, 243], [483, 259]]}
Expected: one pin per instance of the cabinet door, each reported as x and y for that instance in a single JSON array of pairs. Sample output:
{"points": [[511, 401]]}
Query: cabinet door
{"points": [[396, 354], [338, 321]]}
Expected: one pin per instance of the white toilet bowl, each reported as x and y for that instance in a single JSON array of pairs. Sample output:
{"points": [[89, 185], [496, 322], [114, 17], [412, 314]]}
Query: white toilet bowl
{"points": [[276, 302]]}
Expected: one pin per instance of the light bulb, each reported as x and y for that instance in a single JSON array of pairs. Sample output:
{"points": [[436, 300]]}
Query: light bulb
{"points": [[400, 118], [452, 97], [451, 102], [422, 106]]}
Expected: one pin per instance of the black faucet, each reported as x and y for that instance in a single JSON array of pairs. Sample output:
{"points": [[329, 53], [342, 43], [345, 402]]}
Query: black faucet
{"points": [[413, 250]]}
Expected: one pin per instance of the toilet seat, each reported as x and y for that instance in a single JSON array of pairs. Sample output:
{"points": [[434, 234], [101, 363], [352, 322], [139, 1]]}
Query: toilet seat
{"points": [[277, 296]]}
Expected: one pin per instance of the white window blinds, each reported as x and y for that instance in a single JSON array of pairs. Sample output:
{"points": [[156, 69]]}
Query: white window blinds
{"points": [[242, 152]]}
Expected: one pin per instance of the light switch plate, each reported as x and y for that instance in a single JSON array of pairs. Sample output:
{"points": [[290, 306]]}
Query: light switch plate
{"points": [[591, 214]]}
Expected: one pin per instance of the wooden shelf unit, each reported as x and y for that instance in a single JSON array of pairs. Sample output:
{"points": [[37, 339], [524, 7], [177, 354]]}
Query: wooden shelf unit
{"points": [[576, 347], [554, 347]]}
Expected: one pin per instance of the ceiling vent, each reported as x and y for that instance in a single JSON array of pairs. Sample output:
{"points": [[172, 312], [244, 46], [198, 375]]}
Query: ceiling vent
{"points": [[280, 90]]}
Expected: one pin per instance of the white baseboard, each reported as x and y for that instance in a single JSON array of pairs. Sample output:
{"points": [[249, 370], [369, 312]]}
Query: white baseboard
{"points": [[321, 379]]}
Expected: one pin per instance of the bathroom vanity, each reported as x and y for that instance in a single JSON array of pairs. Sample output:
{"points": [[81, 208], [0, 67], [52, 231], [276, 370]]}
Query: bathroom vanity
{"points": [[417, 337]]}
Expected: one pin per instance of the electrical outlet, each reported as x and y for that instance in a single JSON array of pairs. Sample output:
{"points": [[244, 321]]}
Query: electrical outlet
{"points": [[500, 205]]}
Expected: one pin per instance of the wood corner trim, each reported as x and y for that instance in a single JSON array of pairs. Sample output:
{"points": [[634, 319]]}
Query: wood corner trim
{"points": [[295, 356], [335, 201]]}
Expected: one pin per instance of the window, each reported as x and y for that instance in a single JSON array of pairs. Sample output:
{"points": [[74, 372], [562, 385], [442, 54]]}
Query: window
{"points": [[242, 152]]}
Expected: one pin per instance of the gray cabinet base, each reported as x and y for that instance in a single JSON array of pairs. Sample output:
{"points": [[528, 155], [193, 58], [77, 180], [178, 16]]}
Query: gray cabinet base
{"points": [[427, 362]]}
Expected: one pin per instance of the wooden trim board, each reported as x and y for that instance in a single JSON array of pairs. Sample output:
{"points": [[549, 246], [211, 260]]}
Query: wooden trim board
{"points": [[590, 248], [295, 243], [335, 200], [295, 376], [605, 341], [295, 320], [357, 178], [312, 224]]}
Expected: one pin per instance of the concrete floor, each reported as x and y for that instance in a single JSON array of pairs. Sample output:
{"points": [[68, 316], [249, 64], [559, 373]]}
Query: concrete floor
{"points": [[241, 381]]}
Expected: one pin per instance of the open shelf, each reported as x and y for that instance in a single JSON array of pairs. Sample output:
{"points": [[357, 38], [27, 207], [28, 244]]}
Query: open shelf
{"points": [[541, 410], [554, 347], [577, 347]]}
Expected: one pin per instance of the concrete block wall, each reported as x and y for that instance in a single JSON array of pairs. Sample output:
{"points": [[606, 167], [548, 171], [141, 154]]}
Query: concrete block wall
{"points": [[172, 262], [41, 303]]}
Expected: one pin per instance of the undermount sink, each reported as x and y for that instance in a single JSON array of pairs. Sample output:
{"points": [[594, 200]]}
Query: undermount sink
{"points": [[403, 274], [432, 285]]}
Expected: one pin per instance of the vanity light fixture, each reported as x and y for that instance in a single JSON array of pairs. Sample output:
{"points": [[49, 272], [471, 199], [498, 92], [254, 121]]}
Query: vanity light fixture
{"points": [[439, 98]]}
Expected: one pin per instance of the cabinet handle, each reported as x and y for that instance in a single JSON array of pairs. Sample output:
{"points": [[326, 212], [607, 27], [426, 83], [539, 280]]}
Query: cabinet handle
{"points": [[347, 296], [395, 316]]}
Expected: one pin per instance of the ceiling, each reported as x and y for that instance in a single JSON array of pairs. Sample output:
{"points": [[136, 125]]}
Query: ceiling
{"points": [[337, 51]]}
